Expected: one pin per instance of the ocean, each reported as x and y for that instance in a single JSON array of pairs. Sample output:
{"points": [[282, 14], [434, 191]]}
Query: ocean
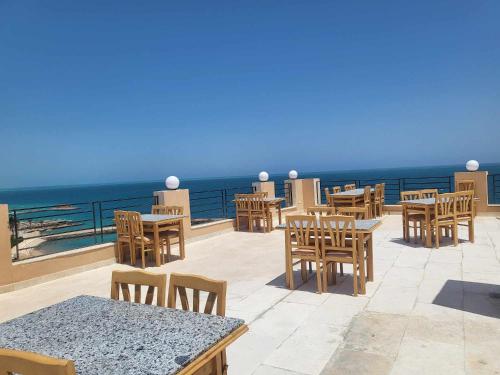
{"points": [[81, 212]]}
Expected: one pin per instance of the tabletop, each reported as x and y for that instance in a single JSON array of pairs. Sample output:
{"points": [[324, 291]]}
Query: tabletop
{"points": [[352, 192], [104, 336], [422, 201], [154, 218], [361, 225]]}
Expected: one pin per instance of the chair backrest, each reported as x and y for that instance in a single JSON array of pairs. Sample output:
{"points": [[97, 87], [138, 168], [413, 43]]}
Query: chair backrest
{"points": [[379, 192], [465, 185], [302, 232], [382, 188], [338, 233], [167, 210], [27, 363], [241, 202], [429, 193], [122, 279], [216, 290], [359, 213], [264, 194], [135, 223], [327, 191], [464, 203], [349, 187], [122, 223], [367, 196], [336, 189], [256, 202], [410, 195], [321, 211], [329, 200], [445, 206]]}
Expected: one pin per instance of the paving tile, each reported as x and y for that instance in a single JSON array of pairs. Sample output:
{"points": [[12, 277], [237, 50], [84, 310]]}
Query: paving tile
{"points": [[393, 300], [269, 370], [352, 362]]}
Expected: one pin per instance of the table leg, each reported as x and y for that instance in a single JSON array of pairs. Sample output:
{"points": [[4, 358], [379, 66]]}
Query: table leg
{"points": [[369, 256], [157, 245], [361, 263], [279, 213], [182, 250], [288, 265], [428, 233]]}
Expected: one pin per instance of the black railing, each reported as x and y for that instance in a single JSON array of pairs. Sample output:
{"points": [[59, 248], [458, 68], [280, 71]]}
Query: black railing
{"points": [[494, 189], [41, 230], [284, 190], [394, 186]]}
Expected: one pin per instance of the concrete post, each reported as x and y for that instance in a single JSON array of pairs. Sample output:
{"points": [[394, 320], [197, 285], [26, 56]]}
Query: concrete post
{"points": [[480, 179], [178, 197], [296, 192], [311, 191], [267, 186], [5, 248]]}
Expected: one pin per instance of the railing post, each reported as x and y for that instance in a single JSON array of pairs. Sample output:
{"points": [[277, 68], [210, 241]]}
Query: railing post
{"points": [[94, 221], [16, 235], [100, 221]]}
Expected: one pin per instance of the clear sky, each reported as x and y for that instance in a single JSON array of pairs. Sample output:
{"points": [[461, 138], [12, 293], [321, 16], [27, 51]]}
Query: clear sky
{"points": [[103, 91]]}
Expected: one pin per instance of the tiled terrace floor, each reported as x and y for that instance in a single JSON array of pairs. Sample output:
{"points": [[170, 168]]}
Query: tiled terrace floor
{"points": [[427, 312]]}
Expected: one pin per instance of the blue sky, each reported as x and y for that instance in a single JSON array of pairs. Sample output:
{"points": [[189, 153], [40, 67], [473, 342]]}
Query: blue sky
{"points": [[104, 91]]}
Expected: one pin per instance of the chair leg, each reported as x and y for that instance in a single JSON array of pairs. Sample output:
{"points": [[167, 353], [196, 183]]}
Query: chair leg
{"points": [[318, 276], [334, 272], [290, 267], [303, 270], [355, 278], [438, 233], [326, 274], [471, 230], [237, 222], [455, 234], [341, 269], [250, 223]]}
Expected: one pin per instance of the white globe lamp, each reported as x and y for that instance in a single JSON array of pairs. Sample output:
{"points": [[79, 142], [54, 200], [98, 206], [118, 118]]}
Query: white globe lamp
{"points": [[472, 165], [263, 176], [172, 182], [293, 174]]}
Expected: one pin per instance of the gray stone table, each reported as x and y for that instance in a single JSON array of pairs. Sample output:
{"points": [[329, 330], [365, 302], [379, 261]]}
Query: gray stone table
{"points": [[360, 225], [103, 336]]}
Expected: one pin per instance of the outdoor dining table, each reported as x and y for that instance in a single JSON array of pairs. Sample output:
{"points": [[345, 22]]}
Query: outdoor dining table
{"points": [[364, 233], [104, 336], [351, 198], [426, 206], [275, 203], [154, 223]]}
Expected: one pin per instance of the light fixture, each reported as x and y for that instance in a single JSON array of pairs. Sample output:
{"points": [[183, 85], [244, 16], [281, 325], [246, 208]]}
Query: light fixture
{"points": [[172, 182], [263, 176], [472, 165], [293, 174]]}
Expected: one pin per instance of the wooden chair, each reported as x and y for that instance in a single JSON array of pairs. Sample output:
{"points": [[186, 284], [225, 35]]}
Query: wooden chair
{"points": [[465, 185], [367, 198], [339, 245], [216, 293], [336, 189], [465, 211], [378, 201], [444, 216], [349, 187], [321, 211], [158, 209], [171, 233], [144, 243], [327, 192], [259, 211], [122, 279], [329, 200], [242, 205], [428, 193], [123, 238], [302, 243], [359, 213], [27, 363], [412, 218]]}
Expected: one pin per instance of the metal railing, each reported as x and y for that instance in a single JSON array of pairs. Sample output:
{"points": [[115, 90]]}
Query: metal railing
{"points": [[394, 186], [494, 189], [68, 226], [284, 190]]}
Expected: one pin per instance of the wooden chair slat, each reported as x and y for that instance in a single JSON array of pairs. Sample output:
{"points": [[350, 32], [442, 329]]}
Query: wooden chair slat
{"points": [[153, 281]]}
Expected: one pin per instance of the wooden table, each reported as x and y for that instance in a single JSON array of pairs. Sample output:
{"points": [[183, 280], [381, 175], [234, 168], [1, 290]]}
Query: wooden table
{"points": [[351, 198], [156, 224], [364, 233], [426, 206], [104, 336]]}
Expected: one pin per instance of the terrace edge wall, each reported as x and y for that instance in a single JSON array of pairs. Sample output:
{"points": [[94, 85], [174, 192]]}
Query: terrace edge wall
{"points": [[5, 248]]}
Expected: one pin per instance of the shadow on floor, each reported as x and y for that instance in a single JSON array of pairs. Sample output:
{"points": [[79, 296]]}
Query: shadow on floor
{"points": [[444, 242], [472, 297]]}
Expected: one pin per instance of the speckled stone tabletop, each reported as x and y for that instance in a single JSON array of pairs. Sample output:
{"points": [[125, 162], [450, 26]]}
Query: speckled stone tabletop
{"points": [[350, 193], [157, 217], [423, 201], [103, 336]]}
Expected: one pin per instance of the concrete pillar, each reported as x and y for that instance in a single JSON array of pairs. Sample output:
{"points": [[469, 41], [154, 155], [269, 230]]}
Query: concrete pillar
{"points": [[267, 186], [179, 197], [5, 249], [296, 193], [480, 179], [311, 192]]}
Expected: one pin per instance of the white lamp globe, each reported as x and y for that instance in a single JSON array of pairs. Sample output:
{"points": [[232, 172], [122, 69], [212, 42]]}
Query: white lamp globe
{"points": [[263, 176], [472, 165], [172, 182], [293, 174]]}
